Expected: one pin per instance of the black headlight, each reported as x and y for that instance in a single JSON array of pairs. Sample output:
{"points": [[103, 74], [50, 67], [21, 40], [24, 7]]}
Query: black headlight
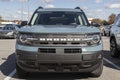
{"points": [[24, 38], [92, 39]]}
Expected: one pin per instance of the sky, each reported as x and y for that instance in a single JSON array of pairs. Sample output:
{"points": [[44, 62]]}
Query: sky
{"points": [[18, 9]]}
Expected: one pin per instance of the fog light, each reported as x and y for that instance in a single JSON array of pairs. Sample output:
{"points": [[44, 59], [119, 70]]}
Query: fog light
{"points": [[88, 57]]}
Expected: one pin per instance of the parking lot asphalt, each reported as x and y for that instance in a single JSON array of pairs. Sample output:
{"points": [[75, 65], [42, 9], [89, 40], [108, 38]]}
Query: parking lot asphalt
{"points": [[111, 69]]}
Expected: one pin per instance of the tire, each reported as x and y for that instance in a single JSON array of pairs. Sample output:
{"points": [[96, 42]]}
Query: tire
{"points": [[113, 48], [20, 72], [104, 33], [98, 71]]}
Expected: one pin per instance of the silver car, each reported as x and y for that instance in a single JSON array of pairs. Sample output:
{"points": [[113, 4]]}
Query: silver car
{"points": [[107, 30], [9, 31]]}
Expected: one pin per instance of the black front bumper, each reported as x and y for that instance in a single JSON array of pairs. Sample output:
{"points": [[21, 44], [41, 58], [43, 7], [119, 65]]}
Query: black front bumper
{"points": [[35, 62]]}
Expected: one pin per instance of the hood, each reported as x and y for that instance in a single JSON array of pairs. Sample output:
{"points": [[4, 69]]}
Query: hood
{"points": [[59, 29]]}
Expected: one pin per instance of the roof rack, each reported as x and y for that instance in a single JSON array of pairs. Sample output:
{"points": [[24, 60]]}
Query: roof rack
{"points": [[78, 8], [38, 8]]}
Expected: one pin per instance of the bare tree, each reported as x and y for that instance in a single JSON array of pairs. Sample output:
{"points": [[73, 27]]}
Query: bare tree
{"points": [[1, 18], [111, 18], [97, 20]]}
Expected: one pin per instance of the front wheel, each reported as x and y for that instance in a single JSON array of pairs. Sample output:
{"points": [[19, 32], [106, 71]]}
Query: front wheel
{"points": [[98, 71], [20, 72]]}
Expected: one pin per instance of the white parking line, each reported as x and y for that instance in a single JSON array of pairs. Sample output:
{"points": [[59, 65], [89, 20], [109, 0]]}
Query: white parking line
{"points": [[111, 63], [10, 75]]}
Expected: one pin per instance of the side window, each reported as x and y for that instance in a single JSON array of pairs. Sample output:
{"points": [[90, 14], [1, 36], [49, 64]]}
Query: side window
{"points": [[34, 18], [80, 19], [118, 22]]}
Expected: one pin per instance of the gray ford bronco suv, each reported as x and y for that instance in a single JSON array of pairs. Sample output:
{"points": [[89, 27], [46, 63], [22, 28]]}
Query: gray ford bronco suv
{"points": [[59, 40]]}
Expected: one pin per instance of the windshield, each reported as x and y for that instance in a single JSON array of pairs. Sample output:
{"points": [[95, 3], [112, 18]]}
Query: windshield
{"points": [[61, 18]]}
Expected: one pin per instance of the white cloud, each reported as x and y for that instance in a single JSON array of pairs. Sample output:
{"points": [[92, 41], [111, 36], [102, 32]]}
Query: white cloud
{"points": [[14, 0], [99, 10], [6, 0], [115, 0], [22, 12], [85, 8], [48, 1], [98, 1], [114, 6], [79, 0], [50, 6], [22, 0]]}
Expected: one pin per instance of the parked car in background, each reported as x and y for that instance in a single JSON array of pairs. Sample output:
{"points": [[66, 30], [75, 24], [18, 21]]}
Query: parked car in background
{"points": [[107, 30], [9, 31], [115, 38], [23, 22], [1, 26], [102, 30], [95, 24]]}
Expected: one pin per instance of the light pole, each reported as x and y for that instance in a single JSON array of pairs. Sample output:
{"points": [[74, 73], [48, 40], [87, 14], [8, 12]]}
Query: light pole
{"points": [[21, 11], [28, 9]]}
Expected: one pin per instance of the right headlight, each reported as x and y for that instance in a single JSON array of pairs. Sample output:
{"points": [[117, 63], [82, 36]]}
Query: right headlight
{"points": [[92, 39]]}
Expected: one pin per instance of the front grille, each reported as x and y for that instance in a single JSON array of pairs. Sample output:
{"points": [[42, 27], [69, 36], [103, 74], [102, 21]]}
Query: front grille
{"points": [[45, 50], [73, 50], [56, 40]]}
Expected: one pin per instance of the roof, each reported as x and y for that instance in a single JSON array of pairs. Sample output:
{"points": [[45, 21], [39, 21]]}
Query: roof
{"points": [[60, 9]]}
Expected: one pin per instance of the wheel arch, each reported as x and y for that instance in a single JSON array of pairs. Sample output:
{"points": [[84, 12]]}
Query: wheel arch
{"points": [[112, 37]]}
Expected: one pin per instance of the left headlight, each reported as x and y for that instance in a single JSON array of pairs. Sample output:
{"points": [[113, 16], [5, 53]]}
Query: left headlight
{"points": [[96, 39], [24, 38]]}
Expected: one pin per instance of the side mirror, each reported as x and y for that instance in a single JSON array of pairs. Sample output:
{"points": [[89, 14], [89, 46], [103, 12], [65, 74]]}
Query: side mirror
{"points": [[95, 24], [23, 23]]}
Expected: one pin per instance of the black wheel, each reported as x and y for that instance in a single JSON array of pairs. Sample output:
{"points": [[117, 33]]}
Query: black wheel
{"points": [[98, 71], [104, 33], [20, 72], [113, 48]]}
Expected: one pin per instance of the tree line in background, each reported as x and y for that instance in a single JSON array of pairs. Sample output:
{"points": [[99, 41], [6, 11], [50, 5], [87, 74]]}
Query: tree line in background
{"points": [[111, 20], [0, 18]]}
